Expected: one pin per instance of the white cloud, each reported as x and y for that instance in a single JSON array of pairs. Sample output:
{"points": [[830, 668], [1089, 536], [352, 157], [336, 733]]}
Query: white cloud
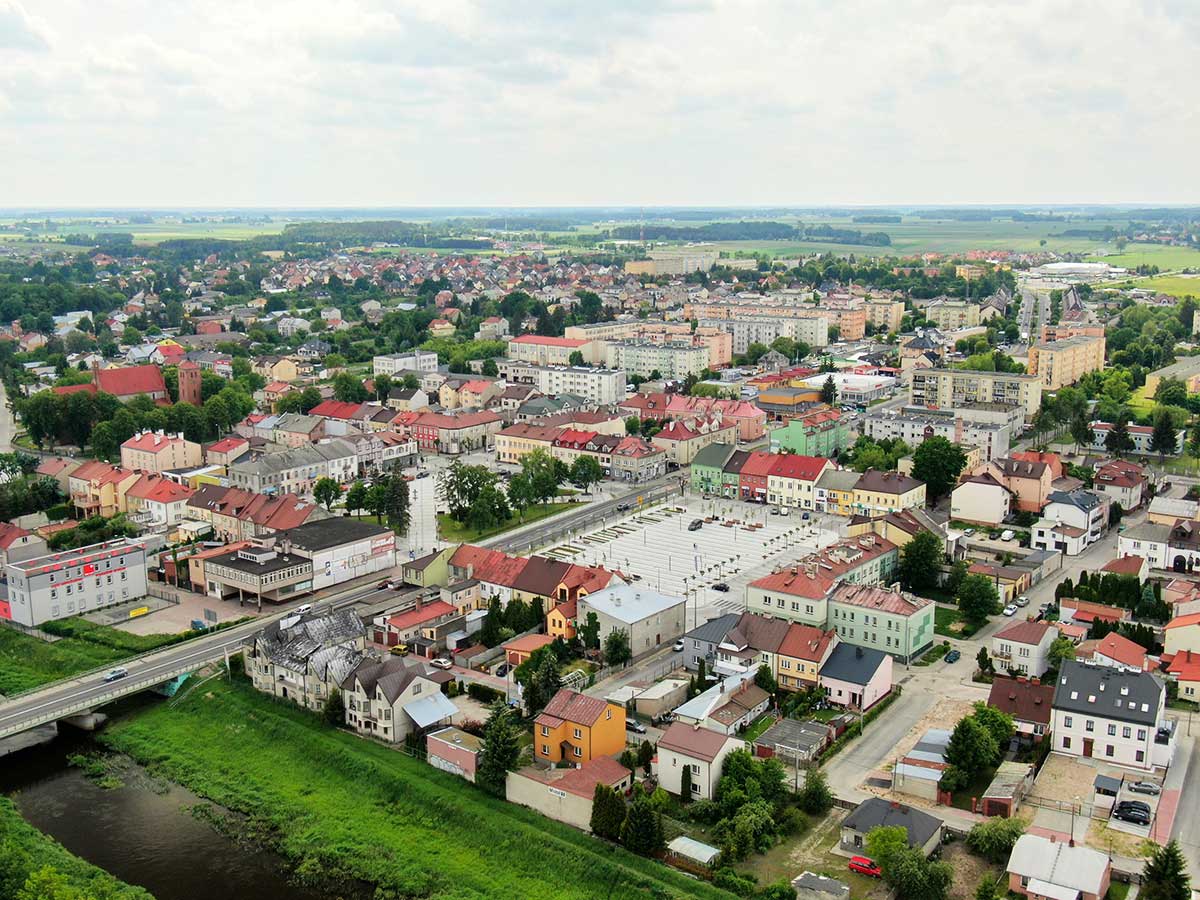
{"points": [[356, 102]]}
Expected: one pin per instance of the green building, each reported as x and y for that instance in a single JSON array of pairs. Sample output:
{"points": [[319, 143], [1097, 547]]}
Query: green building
{"points": [[821, 432], [895, 622], [707, 468]]}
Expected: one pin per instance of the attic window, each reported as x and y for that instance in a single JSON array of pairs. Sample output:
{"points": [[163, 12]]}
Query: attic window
{"points": [[1091, 698], [1074, 694], [1145, 707]]}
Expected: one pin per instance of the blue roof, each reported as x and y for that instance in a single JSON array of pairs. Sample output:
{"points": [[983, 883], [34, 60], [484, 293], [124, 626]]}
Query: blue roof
{"points": [[857, 665]]}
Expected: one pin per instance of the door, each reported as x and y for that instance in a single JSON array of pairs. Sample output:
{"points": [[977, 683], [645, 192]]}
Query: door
{"points": [[1087, 746]]}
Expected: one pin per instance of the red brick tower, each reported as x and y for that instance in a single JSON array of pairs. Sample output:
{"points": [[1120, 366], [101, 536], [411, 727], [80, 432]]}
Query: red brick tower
{"points": [[189, 382]]}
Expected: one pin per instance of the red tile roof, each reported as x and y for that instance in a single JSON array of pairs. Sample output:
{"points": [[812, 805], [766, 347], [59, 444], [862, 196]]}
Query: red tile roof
{"points": [[54, 466], [101, 472], [570, 706], [547, 341], [697, 743], [804, 468], [1121, 649], [131, 381], [759, 464], [1022, 699], [10, 533], [1184, 665], [806, 642], [528, 643], [1086, 611], [1184, 621], [226, 444], [88, 388], [335, 409], [1025, 632], [159, 489], [149, 442], [1125, 565], [426, 613]]}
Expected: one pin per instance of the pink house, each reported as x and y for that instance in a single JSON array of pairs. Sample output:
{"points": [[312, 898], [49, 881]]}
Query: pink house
{"points": [[1030, 480], [856, 677], [453, 750]]}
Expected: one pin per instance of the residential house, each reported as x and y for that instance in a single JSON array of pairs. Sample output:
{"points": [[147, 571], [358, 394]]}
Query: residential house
{"points": [[407, 399], [834, 491], [59, 469], [155, 501], [792, 480], [924, 831], [1085, 612], [649, 618], [1046, 868], [856, 677], [565, 794], [819, 432], [1071, 522], [1023, 648], [390, 699], [1182, 633], [1030, 482], [1010, 581], [1027, 700], [98, 489], [707, 468], [701, 750], [1112, 714], [1125, 482], [1117, 650], [425, 627], [725, 707], [518, 650], [154, 451], [701, 643], [1140, 434], [683, 440], [750, 644], [801, 655], [981, 500], [276, 368], [1184, 668], [891, 620], [577, 728], [296, 471], [878, 492], [304, 658], [17, 544], [298, 430], [1137, 566], [226, 451]]}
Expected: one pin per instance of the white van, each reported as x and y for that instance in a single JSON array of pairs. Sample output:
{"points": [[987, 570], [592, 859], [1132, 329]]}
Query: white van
{"points": [[302, 609], [1007, 535]]}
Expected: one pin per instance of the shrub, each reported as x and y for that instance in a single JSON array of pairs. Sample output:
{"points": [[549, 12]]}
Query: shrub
{"points": [[483, 693]]}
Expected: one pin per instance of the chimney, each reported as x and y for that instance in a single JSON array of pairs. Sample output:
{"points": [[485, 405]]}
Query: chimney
{"points": [[1035, 680], [1053, 838], [894, 804], [858, 652]]}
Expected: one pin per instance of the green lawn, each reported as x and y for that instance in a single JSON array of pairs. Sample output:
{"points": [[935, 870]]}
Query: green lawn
{"points": [[342, 808], [962, 799], [945, 620], [761, 724], [1153, 255], [27, 662], [935, 653], [27, 850], [1176, 285], [455, 532]]}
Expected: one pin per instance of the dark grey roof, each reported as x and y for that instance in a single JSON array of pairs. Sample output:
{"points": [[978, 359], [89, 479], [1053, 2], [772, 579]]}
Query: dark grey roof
{"points": [[790, 733], [1107, 783], [822, 884], [332, 532], [880, 813], [1108, 692], [714, 455], [856, 665], [234, 560], [714, 630], [1084, 500]]}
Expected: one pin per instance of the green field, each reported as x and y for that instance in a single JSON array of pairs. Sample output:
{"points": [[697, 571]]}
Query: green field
{"points": [[27, 662], [24, 849], [343, 808], [1152, 255], [1175, 285], [455, 532]]}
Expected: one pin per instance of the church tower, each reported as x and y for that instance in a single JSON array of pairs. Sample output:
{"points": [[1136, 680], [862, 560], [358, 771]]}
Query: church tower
{"points": [[189, 382]]}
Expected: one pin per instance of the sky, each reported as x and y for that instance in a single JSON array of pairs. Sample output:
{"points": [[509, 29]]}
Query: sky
{"points": [[141, 103]]}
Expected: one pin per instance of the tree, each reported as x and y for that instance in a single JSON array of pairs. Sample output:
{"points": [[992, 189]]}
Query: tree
{"points": [[993, 839], [765, 680], [1165, 875], [348, 388], [325, 491], [490, 369], [642, 831], [829, 391], [645, 754], [1164, 439], [616, 648], [489, 633], [586, 471], [984, 660], [500, 751], [632, 425], [396, 507], [958, 571], [545, 474], [999, 724], [309, 397], [589, 631], [1060, 649], [987, 889], [334, 711], [356, 497], [685, 784], [972, 748], [921, 561], [1171, 392], [383, 387], [376, 501], [977, 599], [1081, 431], [905, 868], [1118, 440], [608, 812], [938, 462], [47, 883], [576, 358], [815, 798]]}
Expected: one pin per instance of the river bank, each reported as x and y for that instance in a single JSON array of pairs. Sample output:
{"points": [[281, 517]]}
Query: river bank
{"points": [[342, 809]]}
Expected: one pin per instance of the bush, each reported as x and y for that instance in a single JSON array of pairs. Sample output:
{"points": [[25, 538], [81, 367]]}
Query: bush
{"points": [[735, 882], [483, 693]]}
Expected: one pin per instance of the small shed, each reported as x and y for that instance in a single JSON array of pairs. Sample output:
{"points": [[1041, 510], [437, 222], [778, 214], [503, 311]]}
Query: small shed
{"points": [[661, 697], [811, 886], [919, 773], [1105, 789], [1011, 782], [693, 851], [792, 741]]}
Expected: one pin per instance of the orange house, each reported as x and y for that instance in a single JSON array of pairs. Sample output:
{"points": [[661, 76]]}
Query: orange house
{"points": [[560, 621], [520, 649], [576, 728]]}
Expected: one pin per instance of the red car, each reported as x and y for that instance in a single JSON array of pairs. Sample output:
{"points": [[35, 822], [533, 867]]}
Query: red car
{"points": [[865, 866]]}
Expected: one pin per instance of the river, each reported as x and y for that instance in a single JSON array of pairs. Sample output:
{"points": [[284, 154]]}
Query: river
{"points": [[141, 832]]}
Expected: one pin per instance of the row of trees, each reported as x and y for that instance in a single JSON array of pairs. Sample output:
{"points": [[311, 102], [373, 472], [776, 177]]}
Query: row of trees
{"points": [[386, 498]]}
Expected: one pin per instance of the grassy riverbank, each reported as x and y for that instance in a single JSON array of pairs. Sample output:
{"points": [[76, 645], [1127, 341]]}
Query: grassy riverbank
{"points": [[24, 851], [342, 808]]}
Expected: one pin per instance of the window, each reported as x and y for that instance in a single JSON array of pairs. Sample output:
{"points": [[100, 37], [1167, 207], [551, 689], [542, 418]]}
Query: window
{"points": [[1141, 734], [545, 731], [608, 713], [1066, 721], [1089, 725], [1066, 743], [578, 751], [1112, 730], [578, 734], [1141, 756], [545, 749], [1108, 750]]}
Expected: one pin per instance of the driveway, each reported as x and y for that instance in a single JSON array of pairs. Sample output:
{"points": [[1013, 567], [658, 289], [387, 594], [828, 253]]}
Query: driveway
{"points": [[868, 753]]}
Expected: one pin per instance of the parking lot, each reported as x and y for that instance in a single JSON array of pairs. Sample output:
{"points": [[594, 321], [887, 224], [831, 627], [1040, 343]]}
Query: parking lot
{"points": [[743, 541]]}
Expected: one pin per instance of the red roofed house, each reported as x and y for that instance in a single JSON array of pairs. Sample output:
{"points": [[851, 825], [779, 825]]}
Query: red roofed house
{"points": [[1117, 650], [518, 650], [336, 409], [566, 794], [404, 627], [1124, 481], [577, 728], [792, 480], [98, 489], [157, 500], [478, 394], [1027, 700], [57, 468], [1084, 612], [1128, 565], [1182, 633], [454, 434], [636, 459], [226, 451], [703, 750], [753, 480], [1184, 667], [1023, 648], [17, 544], [154, 451], [276, 391], [682, 440]]}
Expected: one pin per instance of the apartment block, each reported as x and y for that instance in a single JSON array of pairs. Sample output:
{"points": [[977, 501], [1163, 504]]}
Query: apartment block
{"points": [[1063, 362], [951, 388], [644, 358], [914, 428], [74, 582]]}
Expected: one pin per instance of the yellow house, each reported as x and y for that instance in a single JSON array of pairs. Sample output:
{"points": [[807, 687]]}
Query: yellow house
{"points": [[801, 654], [577, 728], [1183, 633], [885, 492], [560, 621], [515, 441], [834, 491], [276, 368], [98, 489], [431, 570]]}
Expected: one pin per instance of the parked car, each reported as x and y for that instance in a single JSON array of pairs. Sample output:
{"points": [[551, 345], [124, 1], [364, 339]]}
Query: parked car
{"points": [[441, 663], [953, 656], [635, 726], [1022, 601], [422, 474], [1007, 534], [805, 517], [774, 510], [864, 865], [502, 670], [969, 532], [695, 524], [1145, 787], [678, 646], [1010, 610], [721, 586], [116, 674], [1132, 814]]}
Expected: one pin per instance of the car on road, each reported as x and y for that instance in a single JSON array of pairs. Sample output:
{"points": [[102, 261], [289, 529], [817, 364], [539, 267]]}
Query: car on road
{"points": [[622, 507], [422, 474], [502, 670], [721, 586], [116, 674], [864, 865], [953, 656], [1010, 610], [442, 664], [678, 646], [1145, 787], [635, 726], [302, 609], [785, 511], [774, 510], [970, 532], [805, 517], [695, 524], [1022, 601], [1133, 811]]}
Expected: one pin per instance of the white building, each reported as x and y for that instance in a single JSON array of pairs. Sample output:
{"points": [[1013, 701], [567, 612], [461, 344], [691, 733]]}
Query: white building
{"points": [[1071, 522], [74, 582], [303, 658], [649, 618], [341, 549], [701, 750], [859, 390], [765, 330], [674, 361], [980, 499], [599, 386], [914, 428], [1140, 434], [421, 361], [392, 698], [1023, 648], [1111, 714], [296, 471]]}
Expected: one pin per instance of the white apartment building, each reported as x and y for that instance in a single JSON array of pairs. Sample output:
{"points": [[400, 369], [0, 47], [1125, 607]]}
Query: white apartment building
{"points": [[296, 471], [1109, 713], [673, 361], [1023, 648], [74, 582], [1071, 521], [950, 388], [600, 386], [422, 361], [764, 330], [914, 428]]}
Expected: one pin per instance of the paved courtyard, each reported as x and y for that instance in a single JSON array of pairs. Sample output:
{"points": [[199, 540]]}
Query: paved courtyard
{"points": [[737, 543]]}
